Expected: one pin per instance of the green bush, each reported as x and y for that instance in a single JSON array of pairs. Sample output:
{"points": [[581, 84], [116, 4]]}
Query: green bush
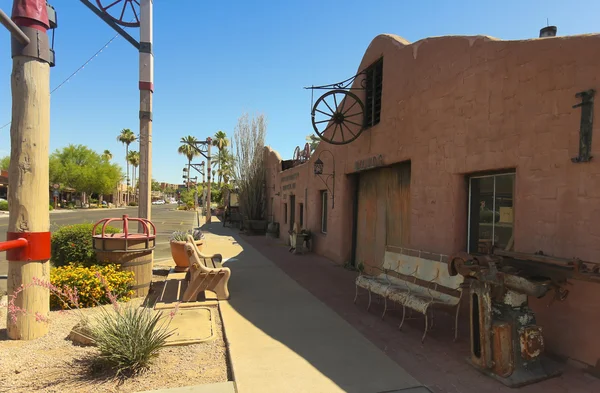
{"points": [[50, 207], [133, 204], [130, 337], [91, 291], [4, 205], [73, 243]]}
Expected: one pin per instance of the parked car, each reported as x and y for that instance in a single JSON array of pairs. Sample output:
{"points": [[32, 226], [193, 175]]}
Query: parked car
{"points": [[159, 202]]}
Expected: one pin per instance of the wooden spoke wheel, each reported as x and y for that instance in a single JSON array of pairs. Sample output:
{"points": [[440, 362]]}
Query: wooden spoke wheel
{"points": [[123, 12], [338, 117], [297, 156], [306, 152]]}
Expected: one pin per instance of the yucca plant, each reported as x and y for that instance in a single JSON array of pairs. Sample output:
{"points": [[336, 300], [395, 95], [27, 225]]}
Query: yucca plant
{"points": [[130, 337], [178, 236]]}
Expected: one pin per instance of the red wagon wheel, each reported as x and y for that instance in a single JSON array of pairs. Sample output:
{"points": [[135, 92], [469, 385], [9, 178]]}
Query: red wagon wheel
{"points": [[123, 12], [338, 117], [306, 152]]}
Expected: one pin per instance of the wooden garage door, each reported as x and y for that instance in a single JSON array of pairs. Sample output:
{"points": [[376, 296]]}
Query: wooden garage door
{"points": [[383, 212]]}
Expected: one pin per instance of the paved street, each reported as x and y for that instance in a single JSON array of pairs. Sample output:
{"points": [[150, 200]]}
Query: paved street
{"points": [[165, 217]]}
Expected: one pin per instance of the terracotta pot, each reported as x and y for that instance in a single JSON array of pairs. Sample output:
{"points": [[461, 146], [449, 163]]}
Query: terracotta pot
{"points": [[180, 257]]}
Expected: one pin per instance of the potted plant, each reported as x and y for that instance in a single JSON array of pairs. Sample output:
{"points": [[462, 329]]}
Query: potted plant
{"points": [[177, 243]]}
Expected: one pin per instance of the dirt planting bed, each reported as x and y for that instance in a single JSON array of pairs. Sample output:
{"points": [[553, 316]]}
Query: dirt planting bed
{"points": [[54, 364]]}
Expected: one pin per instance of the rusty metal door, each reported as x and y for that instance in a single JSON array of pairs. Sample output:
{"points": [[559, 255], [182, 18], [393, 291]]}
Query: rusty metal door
{"points": [[383, 212]]}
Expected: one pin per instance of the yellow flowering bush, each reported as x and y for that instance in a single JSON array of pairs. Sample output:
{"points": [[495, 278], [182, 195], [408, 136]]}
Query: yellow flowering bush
{"points": [[88, 282]]}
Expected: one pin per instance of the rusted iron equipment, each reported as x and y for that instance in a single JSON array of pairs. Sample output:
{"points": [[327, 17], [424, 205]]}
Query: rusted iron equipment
{"points": [[506, 342]]}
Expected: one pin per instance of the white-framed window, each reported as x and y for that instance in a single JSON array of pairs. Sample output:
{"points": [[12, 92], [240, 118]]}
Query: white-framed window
{"points": [[324, 200], [491, 212]]}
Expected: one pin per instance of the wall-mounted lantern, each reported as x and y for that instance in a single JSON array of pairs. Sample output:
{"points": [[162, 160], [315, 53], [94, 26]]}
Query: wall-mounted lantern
{"points": [[318, 171]]}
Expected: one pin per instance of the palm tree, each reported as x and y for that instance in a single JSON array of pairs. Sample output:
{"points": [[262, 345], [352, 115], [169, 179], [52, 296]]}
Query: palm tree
{"points": [[107, 155], [133, 158], [220, 141], [187, 150], [127, 137], [226, 167]]}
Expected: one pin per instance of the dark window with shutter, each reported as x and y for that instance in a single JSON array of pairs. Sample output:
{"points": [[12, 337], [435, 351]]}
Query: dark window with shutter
{"points": [[374, 86]]}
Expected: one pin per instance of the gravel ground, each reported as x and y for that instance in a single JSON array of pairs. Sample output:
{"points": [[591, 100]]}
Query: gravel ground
{"points": [[53, 364]]}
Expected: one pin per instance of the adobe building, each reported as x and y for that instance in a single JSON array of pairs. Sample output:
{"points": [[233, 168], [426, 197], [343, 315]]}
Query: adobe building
{"points": [[469, 141]]}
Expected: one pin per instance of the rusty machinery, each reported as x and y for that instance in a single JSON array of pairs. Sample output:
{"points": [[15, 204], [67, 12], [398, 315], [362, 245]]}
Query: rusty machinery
{"points": [[506, 342]]}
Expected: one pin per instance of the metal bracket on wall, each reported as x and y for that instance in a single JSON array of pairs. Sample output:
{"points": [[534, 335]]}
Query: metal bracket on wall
{"points": [[586, 125]]}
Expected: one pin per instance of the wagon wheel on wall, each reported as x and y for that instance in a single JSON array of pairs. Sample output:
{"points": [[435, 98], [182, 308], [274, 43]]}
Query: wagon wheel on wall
{"points": [[338, 117], [123, 12]]}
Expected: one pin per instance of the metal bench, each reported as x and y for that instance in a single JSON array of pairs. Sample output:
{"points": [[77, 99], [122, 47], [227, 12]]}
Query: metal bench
{"points": [[415, 283], [205, 273]]}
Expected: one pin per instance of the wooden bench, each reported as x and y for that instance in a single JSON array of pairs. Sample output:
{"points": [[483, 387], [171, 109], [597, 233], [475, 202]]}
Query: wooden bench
{"points": [[205, 273], [415, 283]]}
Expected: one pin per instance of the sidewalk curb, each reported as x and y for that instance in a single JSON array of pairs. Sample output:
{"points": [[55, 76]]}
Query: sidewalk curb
{"points": [[227, 346]]}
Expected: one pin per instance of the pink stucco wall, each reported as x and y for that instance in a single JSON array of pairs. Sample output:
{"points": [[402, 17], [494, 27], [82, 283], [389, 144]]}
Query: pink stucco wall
{"points": [[459, 105]]}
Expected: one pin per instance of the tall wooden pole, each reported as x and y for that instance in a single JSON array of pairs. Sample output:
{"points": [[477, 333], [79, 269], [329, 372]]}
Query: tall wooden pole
{"points": [[208, 167], [146, 86], [28, 178]]}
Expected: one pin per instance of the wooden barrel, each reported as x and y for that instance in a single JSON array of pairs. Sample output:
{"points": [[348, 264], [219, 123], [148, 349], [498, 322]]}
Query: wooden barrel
{"points": [[134, 254]]}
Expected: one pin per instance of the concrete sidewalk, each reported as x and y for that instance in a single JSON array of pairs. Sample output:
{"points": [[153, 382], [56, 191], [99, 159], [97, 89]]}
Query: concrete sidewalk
{"points": [[283, 339]]}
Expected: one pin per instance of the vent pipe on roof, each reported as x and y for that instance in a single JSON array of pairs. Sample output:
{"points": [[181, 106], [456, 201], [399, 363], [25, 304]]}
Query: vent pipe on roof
{"points": [[548, 31]]}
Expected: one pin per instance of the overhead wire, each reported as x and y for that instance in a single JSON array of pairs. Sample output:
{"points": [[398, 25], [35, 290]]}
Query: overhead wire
{"points": [[76, 71]]}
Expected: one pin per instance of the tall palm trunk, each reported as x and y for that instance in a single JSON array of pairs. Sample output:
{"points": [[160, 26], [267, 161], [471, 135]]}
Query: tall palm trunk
{"points": [[188, 176], [127, 180], [220, 159]]}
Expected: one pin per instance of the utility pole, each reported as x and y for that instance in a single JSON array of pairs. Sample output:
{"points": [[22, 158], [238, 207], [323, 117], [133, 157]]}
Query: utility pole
{"points": [[146, 87], [143, 19], [208, 169], [29, 219]]}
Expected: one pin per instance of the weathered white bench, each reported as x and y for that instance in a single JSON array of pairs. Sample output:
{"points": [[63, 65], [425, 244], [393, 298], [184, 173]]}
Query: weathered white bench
{"points": [[415, 283]]}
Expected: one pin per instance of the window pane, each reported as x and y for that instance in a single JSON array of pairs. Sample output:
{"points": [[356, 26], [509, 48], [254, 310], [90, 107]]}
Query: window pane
{"points": [[503, 228], [491, 214]]}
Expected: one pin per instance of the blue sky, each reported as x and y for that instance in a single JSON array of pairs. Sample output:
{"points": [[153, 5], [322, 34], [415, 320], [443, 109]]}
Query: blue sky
{"points": [[215, 60]]}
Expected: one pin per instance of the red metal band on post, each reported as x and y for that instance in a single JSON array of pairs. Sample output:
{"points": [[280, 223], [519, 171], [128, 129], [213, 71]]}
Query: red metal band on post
{"points": [[31, 13], [37, 248], [147, 86]]}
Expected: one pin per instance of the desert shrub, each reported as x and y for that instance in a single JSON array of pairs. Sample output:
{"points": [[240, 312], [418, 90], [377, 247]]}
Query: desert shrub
{"points": [[130, 337], [70, 205], [133, 204], [92, 284], [4, 205], [73, 243]]}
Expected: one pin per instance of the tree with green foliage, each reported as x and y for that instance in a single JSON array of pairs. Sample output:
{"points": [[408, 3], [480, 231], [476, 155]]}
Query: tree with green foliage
{"points": [[107, 155], [79, 167], [127, 137], [221, 142], [133, 158], [188, 151], [4, 162]]}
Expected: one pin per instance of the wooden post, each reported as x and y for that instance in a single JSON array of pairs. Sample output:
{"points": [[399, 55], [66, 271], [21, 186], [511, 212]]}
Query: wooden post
{"points": [[208, 212], [28, 171], [146, 86]]}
